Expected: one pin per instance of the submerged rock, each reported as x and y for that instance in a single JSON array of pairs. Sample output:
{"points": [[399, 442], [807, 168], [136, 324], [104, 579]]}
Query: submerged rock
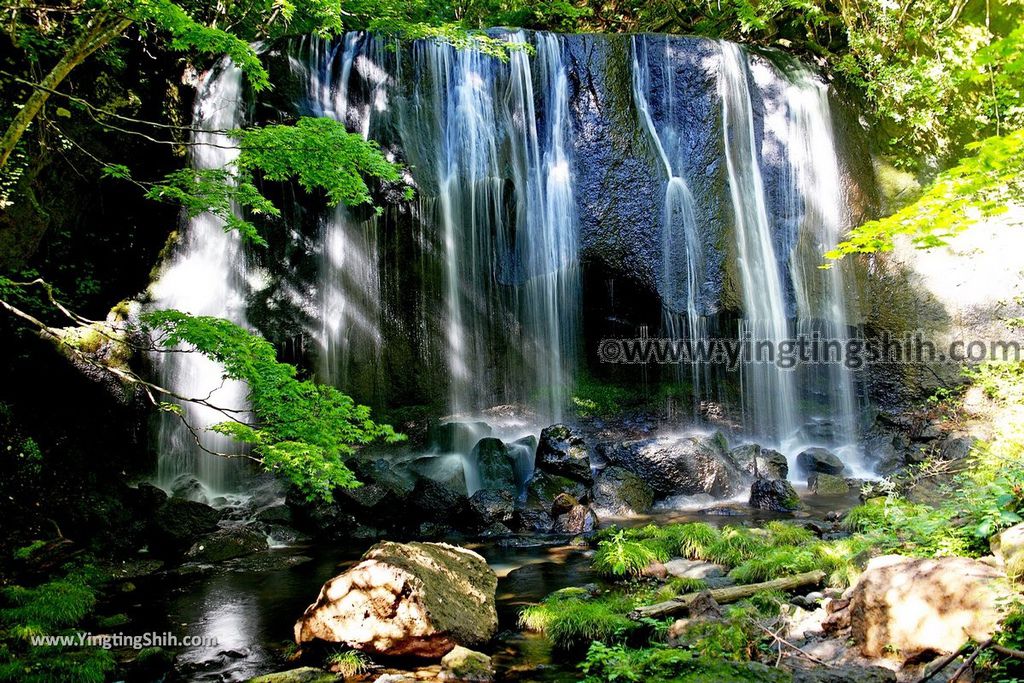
{"points": [[681, 465], [774, 494], [819, 460], [761, 462], [406, 599], [908, 606], [563, 452], [618, 492]]}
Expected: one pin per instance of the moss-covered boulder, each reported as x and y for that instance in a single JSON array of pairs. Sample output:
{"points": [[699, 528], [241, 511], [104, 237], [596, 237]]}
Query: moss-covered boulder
{"points": [[495, 465], [227, 544], [777, 495], [827, 484], [304, 674], [463, 664], [406, 599], [618, 492]]}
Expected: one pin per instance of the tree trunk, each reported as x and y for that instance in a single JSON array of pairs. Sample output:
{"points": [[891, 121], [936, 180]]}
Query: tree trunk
{"points": [[104, 31], [726, 595]]}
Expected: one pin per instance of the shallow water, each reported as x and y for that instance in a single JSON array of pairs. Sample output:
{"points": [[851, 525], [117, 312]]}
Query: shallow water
{"points": [[249, 608]]}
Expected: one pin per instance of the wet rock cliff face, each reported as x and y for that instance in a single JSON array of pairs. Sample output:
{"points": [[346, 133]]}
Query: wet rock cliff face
{"points": [[407, 99]]}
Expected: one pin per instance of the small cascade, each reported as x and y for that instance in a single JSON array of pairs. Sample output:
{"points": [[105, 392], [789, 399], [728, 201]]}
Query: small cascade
{"points": [[681, 249], [769, 392], [823, 296], [205, 276]]}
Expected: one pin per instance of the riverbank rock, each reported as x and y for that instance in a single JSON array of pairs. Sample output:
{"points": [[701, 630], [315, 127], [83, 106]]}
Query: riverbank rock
{"points": [[618, 492], [563, 452], [1008, 548], [761, 462], [406, 599], [681, 465], [777, 495], [911, 606], [827, 484], [819, 460], [463, 664]]}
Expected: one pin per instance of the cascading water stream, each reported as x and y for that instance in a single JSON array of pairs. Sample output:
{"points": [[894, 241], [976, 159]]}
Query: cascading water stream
{"points": [[519, 251], [681, 250], [348, 288], [823, 296], [769, 392], [206, 276]]}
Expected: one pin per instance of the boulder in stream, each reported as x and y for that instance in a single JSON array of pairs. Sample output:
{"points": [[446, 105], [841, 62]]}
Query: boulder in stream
{"points": [[227, 544], [777, 495], [761, 462], [819, 460], [618, 492], [495, 464], [406, 599], [681, 465], [563, 452], [179, 522]]}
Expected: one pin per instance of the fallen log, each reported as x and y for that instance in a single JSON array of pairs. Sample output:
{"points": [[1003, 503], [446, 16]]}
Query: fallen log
{"points": [[724, 596]]}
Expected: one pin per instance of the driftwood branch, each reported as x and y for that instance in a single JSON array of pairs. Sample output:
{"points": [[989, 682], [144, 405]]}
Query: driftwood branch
{"points": [[782, 641], [723, 596]]}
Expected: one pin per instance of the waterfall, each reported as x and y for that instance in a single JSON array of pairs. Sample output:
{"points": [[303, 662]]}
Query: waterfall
{"points": [[769, 392], [504, 207], [682, 260], [519, 166], [205, 276], [822, 295], [347, 291]]}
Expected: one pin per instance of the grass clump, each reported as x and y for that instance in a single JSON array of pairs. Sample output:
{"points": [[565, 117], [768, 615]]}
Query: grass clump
{"points": [[661, 663], [571, 621], [348, 663]]}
